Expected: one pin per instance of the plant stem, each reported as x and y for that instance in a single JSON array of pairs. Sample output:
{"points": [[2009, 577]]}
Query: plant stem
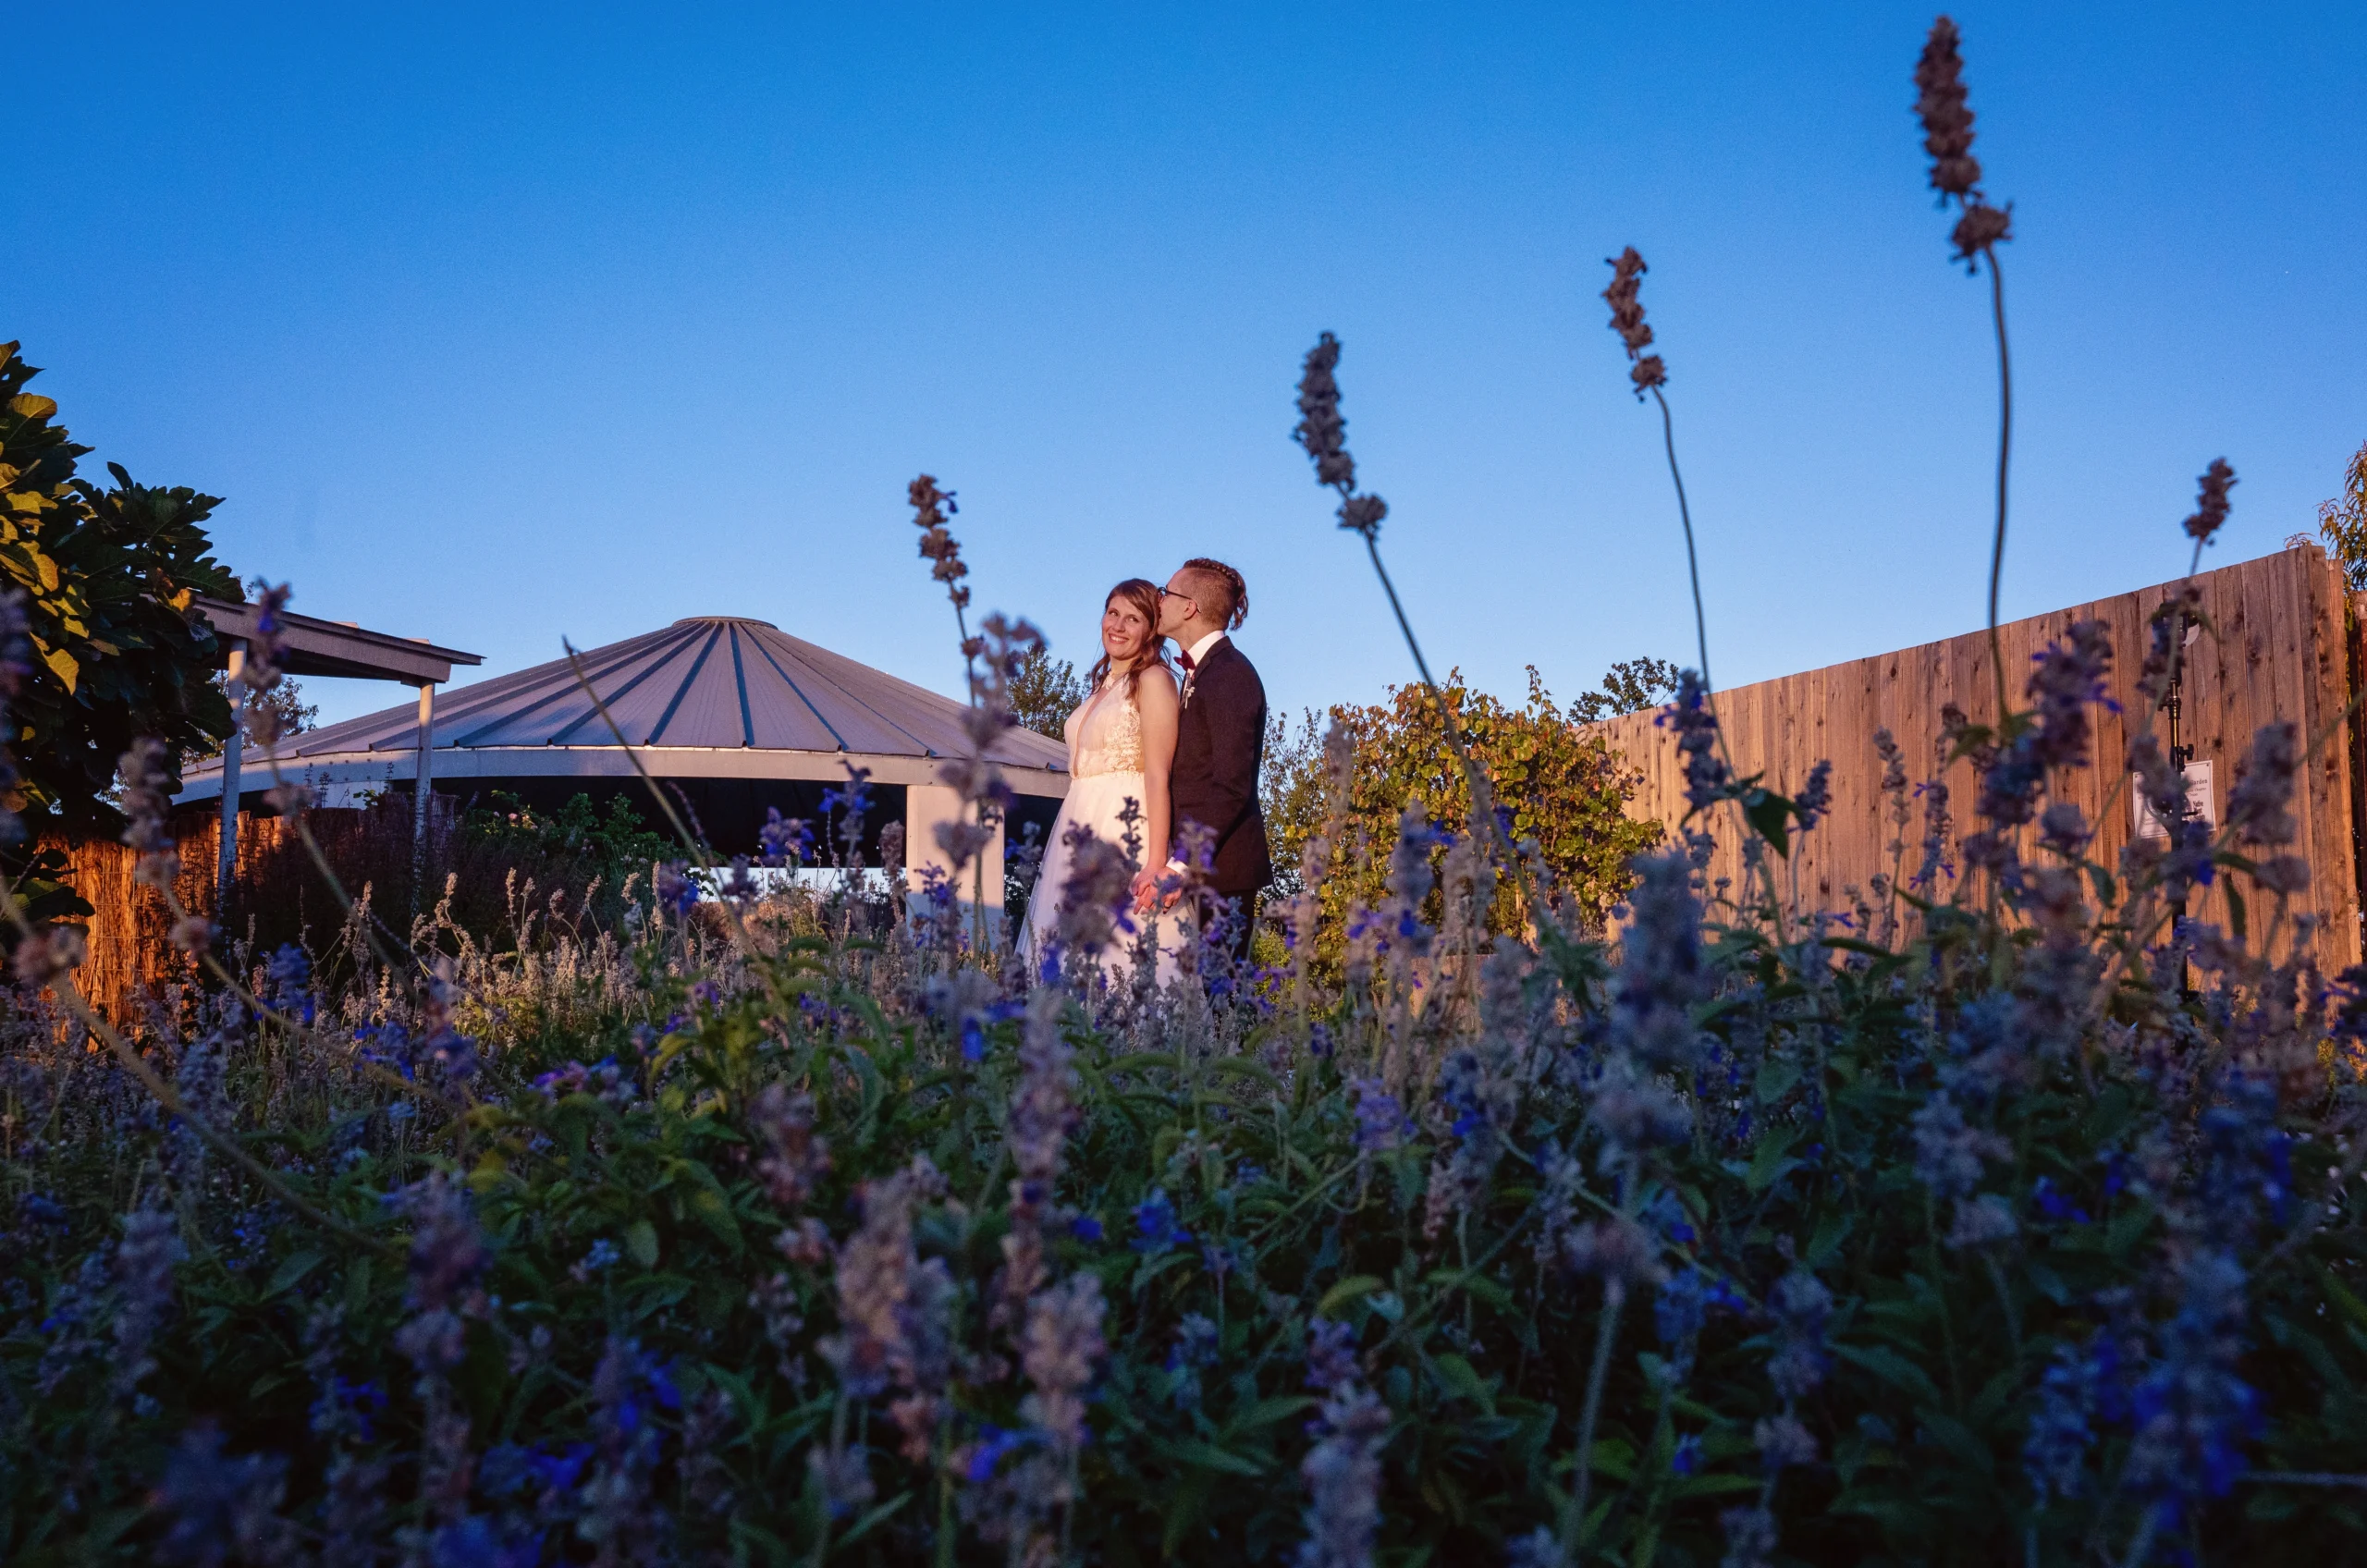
{"points": [[1614, 1297], [2005, 452], [1692, 562]]}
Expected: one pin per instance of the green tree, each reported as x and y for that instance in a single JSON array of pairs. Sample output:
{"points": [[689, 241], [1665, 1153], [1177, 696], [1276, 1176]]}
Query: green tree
{"points": [[1629, 686], [2343, 522], [1044, 692], [286, 701], [1566, 789], [109, 576]]}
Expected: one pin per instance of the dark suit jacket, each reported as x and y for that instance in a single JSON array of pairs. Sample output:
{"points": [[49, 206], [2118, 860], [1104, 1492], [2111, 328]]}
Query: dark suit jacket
{"points": [[1219, 743]]}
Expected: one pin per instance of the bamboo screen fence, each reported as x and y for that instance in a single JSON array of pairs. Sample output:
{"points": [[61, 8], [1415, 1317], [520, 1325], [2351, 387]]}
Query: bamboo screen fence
{"points": [[130, 955], [2282, 647]]}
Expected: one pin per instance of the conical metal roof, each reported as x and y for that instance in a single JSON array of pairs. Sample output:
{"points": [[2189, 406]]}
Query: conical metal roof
{"points": [[708, 683]]}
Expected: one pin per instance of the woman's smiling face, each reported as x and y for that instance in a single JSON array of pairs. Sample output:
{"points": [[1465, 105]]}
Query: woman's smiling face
{"points": [[1125, 630]]}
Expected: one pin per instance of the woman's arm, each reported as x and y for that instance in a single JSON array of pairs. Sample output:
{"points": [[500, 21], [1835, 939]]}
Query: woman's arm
{"points": [[1155, 698]]}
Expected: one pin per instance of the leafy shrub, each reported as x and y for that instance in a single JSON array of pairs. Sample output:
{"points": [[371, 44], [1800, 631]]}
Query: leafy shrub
{"points": [[1566, 790]]}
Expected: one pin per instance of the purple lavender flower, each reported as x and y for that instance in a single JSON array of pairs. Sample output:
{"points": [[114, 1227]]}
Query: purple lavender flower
{"points": [[2192, 1413], [1706, 780], [1751, 1535], [1801, 1306], [796, 1157], [1815, 796], [144, 1261], [1940, 102], [1343, 1473], [2063, 1430], [1627, 271], [1195, 1346], [1949, 1154], [1058, 1350], [1783, 1442], [1635, 1113], [448, 1252], [2256, 806], [1381, 1121], [217, 1509], [2211, 502], [785, 840], [1331, 1355], [2247, 1167], [1662, 978]]}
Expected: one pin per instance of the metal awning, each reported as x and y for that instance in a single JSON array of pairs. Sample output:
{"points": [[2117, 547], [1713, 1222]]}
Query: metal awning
{"points": [[340, 647]]}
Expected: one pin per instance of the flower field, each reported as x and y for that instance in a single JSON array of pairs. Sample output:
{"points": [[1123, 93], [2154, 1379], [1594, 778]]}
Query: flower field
{"points": [[2008, 1216]]}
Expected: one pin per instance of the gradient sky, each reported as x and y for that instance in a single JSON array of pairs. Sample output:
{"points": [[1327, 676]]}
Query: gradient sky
{"points": [[495, 325]]}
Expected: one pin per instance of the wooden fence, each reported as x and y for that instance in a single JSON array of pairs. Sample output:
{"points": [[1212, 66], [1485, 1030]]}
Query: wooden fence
{"points": [[131, 953], [2283, 647]]}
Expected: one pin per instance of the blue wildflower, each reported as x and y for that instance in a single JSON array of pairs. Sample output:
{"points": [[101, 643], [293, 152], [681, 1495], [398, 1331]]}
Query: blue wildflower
{"points": [[1155, 1225], [2052, 1203]]}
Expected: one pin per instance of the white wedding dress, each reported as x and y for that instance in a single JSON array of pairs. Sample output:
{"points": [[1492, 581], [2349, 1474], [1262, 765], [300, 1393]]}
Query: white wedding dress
{"points": [[1105, 739]]}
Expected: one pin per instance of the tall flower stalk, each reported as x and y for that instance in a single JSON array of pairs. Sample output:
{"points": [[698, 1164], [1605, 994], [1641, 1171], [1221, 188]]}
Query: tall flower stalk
{"points": [[1649, 374], [1323, 430], [1939, 103]]}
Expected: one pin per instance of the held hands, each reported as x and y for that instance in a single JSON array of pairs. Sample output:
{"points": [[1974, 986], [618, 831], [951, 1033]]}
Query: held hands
{"points": [[1150, 888]]}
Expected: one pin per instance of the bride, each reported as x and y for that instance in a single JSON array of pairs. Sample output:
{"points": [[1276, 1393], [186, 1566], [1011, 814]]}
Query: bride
{"points": [[1121, 742]]}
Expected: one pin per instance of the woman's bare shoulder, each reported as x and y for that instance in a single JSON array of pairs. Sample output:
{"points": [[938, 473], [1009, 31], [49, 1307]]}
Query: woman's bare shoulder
{"points": [[1158, 685]]}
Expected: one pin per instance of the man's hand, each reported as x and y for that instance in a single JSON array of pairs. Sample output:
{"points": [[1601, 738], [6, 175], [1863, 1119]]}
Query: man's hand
{"points": [[1144, 889]]}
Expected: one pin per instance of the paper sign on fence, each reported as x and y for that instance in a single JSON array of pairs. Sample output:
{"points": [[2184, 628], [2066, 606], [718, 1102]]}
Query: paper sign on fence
{"points": [[2198, 802]]}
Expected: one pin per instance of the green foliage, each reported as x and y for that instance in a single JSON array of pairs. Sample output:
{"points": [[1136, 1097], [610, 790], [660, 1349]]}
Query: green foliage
{"points": [[109, 575], [1629, 686], [2342, 522], [1043, 693], [286, 701], [1566, 790], [579, 844]]}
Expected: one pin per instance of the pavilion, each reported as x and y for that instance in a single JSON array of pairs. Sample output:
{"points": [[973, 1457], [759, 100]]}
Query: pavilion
{"points": [[732, 713]]}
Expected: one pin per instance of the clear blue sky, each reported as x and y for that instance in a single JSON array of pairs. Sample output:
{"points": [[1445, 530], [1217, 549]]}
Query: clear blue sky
{"points": [[495, 325]]}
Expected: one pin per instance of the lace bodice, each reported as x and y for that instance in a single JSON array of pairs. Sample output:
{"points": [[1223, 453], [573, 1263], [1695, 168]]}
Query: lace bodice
{"points": [[1105, 735]]}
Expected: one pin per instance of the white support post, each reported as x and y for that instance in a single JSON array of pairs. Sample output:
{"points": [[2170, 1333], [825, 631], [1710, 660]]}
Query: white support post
{"points": [[926, 805], [226, 873], [425, 777]]}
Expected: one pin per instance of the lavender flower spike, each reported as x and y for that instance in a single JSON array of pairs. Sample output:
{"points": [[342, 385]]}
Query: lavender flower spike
{"points": [[1627, 270], [2211, 502]]}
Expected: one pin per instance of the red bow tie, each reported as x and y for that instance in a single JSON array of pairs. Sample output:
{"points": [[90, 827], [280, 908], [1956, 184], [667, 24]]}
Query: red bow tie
{"points": [[1187, 661]]}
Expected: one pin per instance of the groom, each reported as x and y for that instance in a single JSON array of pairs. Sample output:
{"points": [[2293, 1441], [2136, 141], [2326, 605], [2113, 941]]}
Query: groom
{"points": [[1220, 739]]}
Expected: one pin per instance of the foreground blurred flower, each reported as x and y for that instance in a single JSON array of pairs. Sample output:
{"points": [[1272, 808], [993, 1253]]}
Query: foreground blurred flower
{"points": [[2211, 505], [1947, 136], [219, 1510], [1628, 320]]}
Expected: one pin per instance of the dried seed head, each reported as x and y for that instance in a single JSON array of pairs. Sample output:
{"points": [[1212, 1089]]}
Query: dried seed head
{"points": [[1628, 320], [1322, 429], [2210, 501], [1948, 120], [1981, 226], [931, 506], [1627, 312]]}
